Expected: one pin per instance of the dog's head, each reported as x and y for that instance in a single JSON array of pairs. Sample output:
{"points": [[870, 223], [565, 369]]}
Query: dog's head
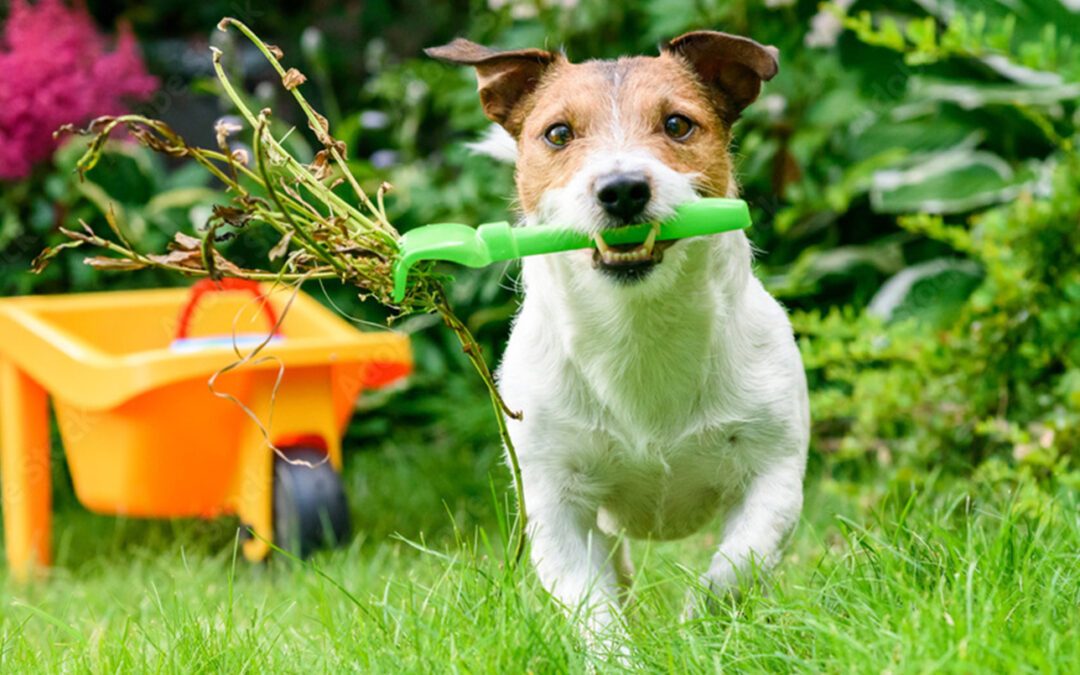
{"points": [[603, 144]]}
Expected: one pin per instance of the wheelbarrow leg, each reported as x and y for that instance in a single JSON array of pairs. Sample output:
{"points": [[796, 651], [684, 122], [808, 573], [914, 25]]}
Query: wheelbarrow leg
{"points": [[26, 475], [303, 405]]}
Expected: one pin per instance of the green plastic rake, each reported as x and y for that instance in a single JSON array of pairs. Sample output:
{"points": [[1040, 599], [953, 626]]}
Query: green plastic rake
{"points": [[493, 242]]}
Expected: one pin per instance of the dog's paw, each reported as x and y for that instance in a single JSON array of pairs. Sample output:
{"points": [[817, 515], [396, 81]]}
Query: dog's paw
{"points": [[717, 592], [709, 599]]}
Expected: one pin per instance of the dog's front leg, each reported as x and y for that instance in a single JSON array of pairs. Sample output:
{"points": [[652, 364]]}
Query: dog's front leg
{"points": [[574, 560], [757, 529]]}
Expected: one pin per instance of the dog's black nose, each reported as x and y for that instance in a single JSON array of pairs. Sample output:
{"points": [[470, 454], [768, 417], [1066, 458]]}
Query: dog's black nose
{"points": [[623, 195]]}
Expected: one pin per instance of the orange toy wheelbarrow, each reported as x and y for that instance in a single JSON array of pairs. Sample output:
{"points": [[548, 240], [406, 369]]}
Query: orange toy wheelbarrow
{"points": [[144, 434]]}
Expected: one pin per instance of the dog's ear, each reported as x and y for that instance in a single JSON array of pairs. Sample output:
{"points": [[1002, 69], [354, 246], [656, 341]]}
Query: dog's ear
{"points": [[504, 78], [731, 65]]}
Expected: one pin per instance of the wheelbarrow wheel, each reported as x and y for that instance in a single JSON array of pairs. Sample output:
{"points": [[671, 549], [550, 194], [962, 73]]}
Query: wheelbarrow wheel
{"points": [[310, 509]]}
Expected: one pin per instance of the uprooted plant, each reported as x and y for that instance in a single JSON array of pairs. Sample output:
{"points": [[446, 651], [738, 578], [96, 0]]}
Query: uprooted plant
{"points": [[322, 235]]}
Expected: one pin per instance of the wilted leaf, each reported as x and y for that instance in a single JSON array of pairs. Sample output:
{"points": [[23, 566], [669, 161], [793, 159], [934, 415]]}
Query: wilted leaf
{"points": [[281, 247], [320, 166], [190, 259], [89, 237], [276, 51], [66, 130], [339, 223], [103, 263], [156, 142], [111, 219], [185, 242], [322, 132], [227, 267], [225, 127], [293, 78], [45, 257], [321, 128], [232, 215]]}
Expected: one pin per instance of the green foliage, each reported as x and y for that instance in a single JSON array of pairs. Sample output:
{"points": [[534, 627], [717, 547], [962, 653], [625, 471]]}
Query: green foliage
{"points": [[978, 34], [992, 379], [148, 203]]}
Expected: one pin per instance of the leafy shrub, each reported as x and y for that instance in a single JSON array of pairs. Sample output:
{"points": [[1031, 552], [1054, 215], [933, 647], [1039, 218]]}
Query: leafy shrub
{"points": [[989, 377]]}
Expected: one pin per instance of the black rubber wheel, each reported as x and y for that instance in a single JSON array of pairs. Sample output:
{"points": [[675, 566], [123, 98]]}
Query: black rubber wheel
{"points": [[310, 509]]}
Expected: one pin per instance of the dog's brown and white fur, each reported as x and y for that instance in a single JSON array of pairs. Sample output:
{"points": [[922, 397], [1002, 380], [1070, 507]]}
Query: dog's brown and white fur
{"points": [[656, 394]]}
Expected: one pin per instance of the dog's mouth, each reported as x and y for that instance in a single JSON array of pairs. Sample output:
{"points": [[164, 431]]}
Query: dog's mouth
{"points": [[629, 261]]}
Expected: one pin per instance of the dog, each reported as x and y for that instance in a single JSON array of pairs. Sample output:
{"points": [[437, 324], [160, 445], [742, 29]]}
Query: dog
{"points": [[660, 385]]}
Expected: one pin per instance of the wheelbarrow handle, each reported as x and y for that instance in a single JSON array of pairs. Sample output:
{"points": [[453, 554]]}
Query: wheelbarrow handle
{"points": [[205, 286]]}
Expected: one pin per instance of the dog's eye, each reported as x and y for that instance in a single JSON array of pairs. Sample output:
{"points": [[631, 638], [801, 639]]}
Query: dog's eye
{"points": [[678, 127], [558, 135]]}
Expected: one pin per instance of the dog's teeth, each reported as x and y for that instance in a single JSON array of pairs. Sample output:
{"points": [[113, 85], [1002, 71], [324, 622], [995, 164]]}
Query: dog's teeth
{"points": [[647, 246], [611, 256]]}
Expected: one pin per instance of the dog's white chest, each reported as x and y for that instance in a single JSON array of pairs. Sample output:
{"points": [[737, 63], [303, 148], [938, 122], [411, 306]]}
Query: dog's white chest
{"points": [[665, 490]]}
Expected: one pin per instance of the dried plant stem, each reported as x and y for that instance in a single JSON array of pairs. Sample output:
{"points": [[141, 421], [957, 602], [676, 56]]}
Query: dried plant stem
{"points": [[502, 411], [313, 247], [317, 121], [297, 170]]}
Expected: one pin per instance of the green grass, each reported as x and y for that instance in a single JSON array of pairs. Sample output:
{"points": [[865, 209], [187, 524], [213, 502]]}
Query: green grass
{"points": [[942, 574]]}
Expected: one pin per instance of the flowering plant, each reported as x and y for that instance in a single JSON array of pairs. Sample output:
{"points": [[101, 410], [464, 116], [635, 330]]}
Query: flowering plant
{"points": [[55, 68]]}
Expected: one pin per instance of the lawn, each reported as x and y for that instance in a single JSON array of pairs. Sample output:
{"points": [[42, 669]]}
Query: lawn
{"points": [[883, 575]]}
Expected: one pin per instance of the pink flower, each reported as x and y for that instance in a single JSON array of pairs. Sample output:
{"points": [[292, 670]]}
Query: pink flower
{"points": [[55, 70]]}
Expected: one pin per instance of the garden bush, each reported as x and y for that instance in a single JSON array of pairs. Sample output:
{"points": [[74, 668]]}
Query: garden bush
{"points": [[974, 366]]}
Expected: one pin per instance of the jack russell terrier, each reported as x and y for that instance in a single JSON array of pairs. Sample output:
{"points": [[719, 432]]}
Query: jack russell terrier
{"points": [[660, 384]]}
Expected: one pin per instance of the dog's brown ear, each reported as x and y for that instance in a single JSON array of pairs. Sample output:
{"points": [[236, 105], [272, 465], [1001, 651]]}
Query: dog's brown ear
{"points": [[735, 66], [504, 78]]}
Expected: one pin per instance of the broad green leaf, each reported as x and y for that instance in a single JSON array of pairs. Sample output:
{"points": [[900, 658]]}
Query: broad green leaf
{"points": [[951, 182], [971, 95], [932, 291]]}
